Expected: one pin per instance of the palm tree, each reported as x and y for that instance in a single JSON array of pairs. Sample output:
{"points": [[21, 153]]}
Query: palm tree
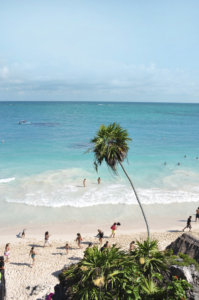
{"points": [[111, 145]]}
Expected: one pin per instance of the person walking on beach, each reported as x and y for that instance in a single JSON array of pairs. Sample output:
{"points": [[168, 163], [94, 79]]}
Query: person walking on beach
{"points": [[32, 255], [7, 252], [113, 228], [78, 240], [67, 248], [100, 235], [46, 239], [188, 224], [197, 214], [98, 180], [84, 182]]}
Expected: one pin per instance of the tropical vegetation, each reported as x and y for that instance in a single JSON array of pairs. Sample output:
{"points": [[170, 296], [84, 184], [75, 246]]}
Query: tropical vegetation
{"points": [[111, 145], [118, 275]]}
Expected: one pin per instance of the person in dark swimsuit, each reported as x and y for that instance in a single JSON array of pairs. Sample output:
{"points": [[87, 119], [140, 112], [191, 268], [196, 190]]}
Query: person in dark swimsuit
{"points": [[197, 214], [106, 245], [188, 224]]}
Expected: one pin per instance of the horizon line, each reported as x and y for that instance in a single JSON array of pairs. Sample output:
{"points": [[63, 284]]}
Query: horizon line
{"points": [[95, 101]]}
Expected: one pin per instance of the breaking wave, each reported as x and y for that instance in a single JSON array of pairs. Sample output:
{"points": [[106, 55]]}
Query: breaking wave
{"points": [[64, 188]]}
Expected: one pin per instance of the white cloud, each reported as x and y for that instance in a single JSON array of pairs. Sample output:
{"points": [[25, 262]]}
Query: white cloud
{"points": [[4, 72]]}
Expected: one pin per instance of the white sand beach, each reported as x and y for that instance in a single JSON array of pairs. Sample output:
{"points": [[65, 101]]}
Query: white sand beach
{"points": [[22, 278]]}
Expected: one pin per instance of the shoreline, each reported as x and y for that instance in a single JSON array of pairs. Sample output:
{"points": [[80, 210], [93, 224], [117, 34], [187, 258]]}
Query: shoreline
{"points": [[66, 220]]}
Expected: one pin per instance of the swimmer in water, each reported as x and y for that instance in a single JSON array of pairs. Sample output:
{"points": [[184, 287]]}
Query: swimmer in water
{"points": [[178, 163], [185, 156], [165, 163]]}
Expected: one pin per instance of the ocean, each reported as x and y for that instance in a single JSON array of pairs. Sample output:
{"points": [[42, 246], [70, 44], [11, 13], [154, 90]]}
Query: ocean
{"points": [[44, 161]]}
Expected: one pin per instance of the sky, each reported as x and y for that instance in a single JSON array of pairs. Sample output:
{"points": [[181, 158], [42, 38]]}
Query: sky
{"points": [[91, 50]]}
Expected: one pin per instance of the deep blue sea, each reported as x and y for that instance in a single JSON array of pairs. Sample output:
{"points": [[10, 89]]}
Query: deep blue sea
{"points": [[43, 162]]}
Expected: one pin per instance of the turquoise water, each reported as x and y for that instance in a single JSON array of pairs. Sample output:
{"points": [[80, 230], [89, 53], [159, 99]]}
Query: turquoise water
{"points": [[44, 163]]}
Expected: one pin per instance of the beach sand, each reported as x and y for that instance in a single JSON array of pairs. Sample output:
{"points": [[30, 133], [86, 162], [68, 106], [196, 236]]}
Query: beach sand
{"points": [[166, 223], [22, 278]]}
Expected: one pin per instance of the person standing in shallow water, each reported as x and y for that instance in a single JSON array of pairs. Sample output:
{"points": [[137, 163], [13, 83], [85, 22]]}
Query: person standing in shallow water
{"points": [[84, 182], [98, 180], [188, 224]]}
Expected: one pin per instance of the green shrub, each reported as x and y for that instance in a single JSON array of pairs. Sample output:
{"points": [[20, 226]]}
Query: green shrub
{"points": [[118, 275]]}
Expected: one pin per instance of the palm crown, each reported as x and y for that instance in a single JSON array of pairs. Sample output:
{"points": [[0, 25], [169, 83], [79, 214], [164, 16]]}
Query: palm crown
{"points": [[110, 144]]}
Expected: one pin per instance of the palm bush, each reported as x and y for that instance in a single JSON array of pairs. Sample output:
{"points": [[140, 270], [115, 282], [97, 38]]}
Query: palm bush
{"points": [[106, 274], [118, 275], [111, 145], [150, 259]]}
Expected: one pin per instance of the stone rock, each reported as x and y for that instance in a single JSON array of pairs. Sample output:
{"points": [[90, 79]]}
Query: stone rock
{"points": [[188, 273], [187, 244]]}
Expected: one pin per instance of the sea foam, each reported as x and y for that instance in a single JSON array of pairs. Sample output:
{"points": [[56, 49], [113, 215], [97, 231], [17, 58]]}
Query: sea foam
{"points": [[64, 188]]}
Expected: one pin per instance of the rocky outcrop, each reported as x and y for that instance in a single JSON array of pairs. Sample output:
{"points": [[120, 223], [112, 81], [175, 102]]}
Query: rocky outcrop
{"points": [[187, 244], [2, 279], [191, 275]]}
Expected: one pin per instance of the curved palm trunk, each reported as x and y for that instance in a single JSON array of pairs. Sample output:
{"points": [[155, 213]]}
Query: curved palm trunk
{"points": [[138, 200]]}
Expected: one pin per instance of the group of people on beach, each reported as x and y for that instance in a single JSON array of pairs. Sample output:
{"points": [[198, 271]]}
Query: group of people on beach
{"points": [[78, 240]]}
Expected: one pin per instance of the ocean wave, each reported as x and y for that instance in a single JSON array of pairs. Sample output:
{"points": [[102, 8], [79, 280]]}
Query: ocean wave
{"points": [[5, 180], [63, 188]]}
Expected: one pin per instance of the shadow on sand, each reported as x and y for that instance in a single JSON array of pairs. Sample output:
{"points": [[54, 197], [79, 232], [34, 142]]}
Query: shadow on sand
{"points": [[21, 264], [36, 246], [174, 231]]}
